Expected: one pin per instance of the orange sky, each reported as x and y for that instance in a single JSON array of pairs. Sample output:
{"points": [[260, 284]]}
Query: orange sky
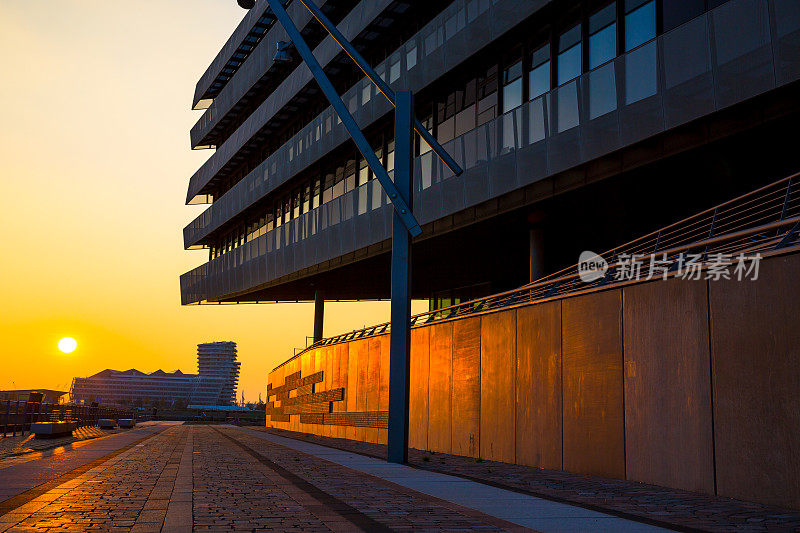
{"points": [[94, 163]]}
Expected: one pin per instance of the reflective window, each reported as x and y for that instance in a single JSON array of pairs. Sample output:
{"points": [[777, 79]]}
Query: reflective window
{"points": [[363, 172], [603, 36], [390, 156], [350, 175], [315, 199], [569, 55], [539, 75], [512, 86], [487, 96], [640, 22], [411, 57]]}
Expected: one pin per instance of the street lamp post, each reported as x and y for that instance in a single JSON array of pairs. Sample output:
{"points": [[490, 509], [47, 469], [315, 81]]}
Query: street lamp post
{"points": [[400, 193]]}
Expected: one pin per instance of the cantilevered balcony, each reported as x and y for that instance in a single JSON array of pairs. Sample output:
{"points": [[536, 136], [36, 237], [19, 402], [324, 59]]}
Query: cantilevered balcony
{"points": [[458, 32], [235, 51], [253, 70], [733, 53]]}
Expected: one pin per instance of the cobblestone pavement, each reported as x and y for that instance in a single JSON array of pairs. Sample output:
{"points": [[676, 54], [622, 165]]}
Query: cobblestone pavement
{"points": [[222, 479], [656, 505]]}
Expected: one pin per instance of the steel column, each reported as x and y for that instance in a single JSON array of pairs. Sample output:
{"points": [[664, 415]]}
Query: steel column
{"points": [[382, 86], [401, 207], [319, 312], [400, 338]]}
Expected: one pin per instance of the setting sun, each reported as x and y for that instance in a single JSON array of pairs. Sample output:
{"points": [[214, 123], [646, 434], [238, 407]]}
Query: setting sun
{"points": [[67, 344]]}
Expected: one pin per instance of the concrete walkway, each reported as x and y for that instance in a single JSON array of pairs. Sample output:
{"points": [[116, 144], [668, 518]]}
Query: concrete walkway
{"points": [[181, 478], [528, 511]]}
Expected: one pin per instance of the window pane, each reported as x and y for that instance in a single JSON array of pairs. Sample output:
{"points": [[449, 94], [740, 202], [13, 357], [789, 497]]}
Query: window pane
{"points": [[539, 75], [603, 46], [569, 64], [539, 80], [512, 95], [640, 25]]}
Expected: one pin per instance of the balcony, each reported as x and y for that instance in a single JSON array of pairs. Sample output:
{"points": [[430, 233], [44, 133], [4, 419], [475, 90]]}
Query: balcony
{"points": [[462, 29], [235, 51], [255, 66], [735, 52]]}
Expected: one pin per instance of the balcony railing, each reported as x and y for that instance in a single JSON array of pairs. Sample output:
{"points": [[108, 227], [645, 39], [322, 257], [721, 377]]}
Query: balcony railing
{"points": [[682, 75], [762, 223], [18, 415]]}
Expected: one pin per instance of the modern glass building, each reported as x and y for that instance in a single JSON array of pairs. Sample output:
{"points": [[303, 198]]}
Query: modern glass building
{"points": [[214, 384], [580, 124]]}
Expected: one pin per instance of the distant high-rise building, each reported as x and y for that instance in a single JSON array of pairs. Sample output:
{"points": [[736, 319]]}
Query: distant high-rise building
{"points": [[219, 373], [214, 384]]}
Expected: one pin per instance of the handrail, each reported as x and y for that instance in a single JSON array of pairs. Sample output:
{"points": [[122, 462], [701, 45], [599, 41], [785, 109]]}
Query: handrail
{"points": [[782, 234]]}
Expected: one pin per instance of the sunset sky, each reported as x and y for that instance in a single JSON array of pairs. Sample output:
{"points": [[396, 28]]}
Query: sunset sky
{"points": [[94, 163]]}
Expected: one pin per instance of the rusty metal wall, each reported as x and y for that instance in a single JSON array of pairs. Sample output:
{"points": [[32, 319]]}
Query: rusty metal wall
{"points": [[383, 399], [620, 383], [498, 383], [351, 391], [342, 356], [755, 342], [594, 440], [373, 385], [538, 398], [466, 400], [440, 387], [668, 432], [418, 394]]}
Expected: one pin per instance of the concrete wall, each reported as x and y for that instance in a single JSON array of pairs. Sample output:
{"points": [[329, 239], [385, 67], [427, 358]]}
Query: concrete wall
{"points": [[687, 384]]}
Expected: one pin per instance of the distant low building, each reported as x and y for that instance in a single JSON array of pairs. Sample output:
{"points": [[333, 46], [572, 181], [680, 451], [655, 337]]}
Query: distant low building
{"points": [[214, 384], [23, 395]]}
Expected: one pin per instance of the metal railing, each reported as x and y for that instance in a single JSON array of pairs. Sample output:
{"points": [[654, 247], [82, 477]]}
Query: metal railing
{"points": [[759, 224], [16, 416]]}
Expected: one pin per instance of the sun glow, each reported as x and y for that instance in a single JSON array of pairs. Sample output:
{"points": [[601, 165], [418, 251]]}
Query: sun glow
{"points": [[67, 344]]}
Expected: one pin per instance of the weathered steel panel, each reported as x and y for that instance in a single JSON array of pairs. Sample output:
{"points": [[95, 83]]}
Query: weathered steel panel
{"points": [[755, 344], [306, 369], [418, 394], [362, 390], [372, 396], [331, 368], [342, 355], [668, 432], [538, 425], [351, 392], [440, 387], [294, 367], [465, 431], [594, 440], [498, 377], [383, 399]]}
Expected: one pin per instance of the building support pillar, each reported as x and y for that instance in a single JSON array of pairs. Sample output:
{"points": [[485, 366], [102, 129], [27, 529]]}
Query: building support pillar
{"points": [[400, 338], [319, 312], [536, 266]]}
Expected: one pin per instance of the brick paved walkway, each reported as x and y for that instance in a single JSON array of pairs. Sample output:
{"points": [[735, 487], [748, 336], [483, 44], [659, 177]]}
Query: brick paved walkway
{"points": [[21, 444], [220, 478], [669, 508]]}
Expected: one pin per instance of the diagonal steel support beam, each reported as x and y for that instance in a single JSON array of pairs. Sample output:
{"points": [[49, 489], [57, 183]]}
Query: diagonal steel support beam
{"points": [[383, 87], [401, 207]]}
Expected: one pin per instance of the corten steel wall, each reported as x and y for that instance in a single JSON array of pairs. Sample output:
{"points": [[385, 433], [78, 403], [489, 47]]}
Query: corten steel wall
{"points": [[686, 384]]}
